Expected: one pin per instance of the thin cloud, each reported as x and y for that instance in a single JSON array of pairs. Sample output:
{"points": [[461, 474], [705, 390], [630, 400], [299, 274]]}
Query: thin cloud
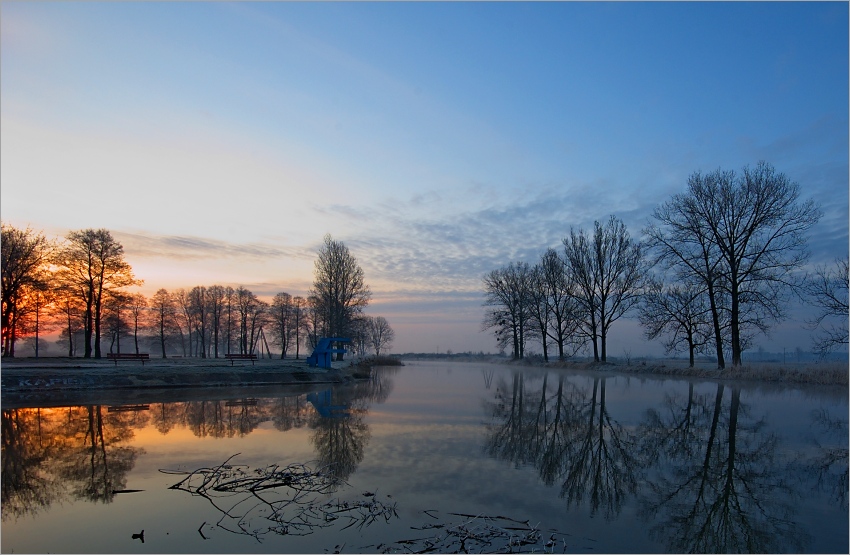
{"points": [[182, 247]]}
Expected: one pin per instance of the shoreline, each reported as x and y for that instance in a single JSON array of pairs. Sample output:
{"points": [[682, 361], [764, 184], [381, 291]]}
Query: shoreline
{"points": [[833, 374], [31, 378], [48, 376]]}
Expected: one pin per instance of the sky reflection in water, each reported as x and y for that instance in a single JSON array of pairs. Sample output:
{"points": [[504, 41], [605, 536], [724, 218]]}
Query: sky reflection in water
{"points": [[614, 464]]}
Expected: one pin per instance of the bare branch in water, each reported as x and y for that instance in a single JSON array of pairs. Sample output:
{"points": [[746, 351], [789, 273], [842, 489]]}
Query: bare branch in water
{"points": [[289, 501], [280, 500]]}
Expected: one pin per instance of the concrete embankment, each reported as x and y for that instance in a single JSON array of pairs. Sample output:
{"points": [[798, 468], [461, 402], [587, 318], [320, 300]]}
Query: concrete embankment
{"points": [[66, 379]]}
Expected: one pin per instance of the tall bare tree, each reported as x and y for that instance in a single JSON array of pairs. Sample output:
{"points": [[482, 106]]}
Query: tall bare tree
{"points": [[165, 318], [299, 317], [92, 263], [70, 309], [282, 320], [216, 300], [827, 289], [684, 243], [252, 314], [507, 294], [183, 301], [25, 259], [116, 319], [338, 287], [198, 306], [564, 311], [607, 269], [137, 304], [759, 225], [540, 315], [228, 311]]}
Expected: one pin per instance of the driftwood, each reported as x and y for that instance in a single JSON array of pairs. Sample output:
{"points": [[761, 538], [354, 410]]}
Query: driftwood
{"points": [[289, 501], [281, 500], [480, 534]]}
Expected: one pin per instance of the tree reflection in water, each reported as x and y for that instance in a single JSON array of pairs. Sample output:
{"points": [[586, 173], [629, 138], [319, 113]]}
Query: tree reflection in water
{"points": [[826, 469], [569, 437], [724, 488], [29, 441], [712, 479], [53, 454], [85, 452], [339, 421]]}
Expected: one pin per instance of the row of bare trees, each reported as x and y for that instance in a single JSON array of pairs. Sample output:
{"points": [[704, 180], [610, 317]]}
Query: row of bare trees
{"points": [[717, 266], [77, 278], [78, 287], [570, 297]]}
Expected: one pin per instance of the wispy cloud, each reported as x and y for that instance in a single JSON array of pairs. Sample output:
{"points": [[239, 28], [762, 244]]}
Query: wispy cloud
{"points": [[182, 247]]}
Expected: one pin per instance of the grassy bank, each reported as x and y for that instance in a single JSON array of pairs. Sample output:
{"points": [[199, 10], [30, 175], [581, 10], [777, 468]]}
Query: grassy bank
{"points": [[827, 373]]}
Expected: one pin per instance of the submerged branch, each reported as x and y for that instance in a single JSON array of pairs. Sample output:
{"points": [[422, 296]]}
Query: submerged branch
{"points": [[292, 500]]}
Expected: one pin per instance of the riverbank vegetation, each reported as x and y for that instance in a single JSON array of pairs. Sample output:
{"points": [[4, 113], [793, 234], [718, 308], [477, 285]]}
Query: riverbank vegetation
{"points": [[716, 267], [81, 287]]}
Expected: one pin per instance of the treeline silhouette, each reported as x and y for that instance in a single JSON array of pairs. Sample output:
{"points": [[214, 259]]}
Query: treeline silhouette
{"points": [[80, 288], [717, 266]]}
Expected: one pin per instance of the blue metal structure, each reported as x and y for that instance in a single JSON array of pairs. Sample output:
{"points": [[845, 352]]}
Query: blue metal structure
{"points": [[323, 353], [323, 403]]}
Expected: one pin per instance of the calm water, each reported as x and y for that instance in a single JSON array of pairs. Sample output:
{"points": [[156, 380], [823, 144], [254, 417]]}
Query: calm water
{"points": [[405, 462]]}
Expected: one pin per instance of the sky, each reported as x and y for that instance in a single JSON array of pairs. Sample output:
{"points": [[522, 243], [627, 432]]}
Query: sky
{"points": [[219, 142]]}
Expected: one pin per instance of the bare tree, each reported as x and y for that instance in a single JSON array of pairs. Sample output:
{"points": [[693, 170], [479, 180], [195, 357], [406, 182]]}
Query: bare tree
{"points": [[381, 334], [759, 227], [539, 311], [25, 259], [299, 317], [252, 314], [683, 242], [564, 311], [198, 306], [607, 269], [115, 319], [506, 292], [216, 298], [360, 335], [71, 310], [183, 301], [92, 263], [314, 322], [137, 304], [827, 288], [281, 316], [229, 307], [338, 287], [680, 312], [165, 318]]}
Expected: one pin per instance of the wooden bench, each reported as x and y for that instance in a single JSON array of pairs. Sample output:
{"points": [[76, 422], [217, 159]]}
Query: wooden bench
{"points": [[128, 408], [115, 357], [231, 357]]}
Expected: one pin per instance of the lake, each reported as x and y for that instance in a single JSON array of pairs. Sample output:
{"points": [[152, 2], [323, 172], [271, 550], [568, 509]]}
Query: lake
{"points": [[435, 456]]}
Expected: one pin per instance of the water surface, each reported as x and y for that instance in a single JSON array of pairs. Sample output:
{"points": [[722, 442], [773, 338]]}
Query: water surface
{"points": [[594, 463]]}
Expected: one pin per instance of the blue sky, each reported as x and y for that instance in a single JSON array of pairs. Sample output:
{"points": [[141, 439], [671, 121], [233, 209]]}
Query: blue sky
{"points": [[221, 141]]}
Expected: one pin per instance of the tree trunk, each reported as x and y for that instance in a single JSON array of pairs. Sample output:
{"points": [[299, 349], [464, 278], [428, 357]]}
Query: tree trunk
{"points": [[89, 323], [162, 337], [97, 351], [735, 327], [715, 320]]}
